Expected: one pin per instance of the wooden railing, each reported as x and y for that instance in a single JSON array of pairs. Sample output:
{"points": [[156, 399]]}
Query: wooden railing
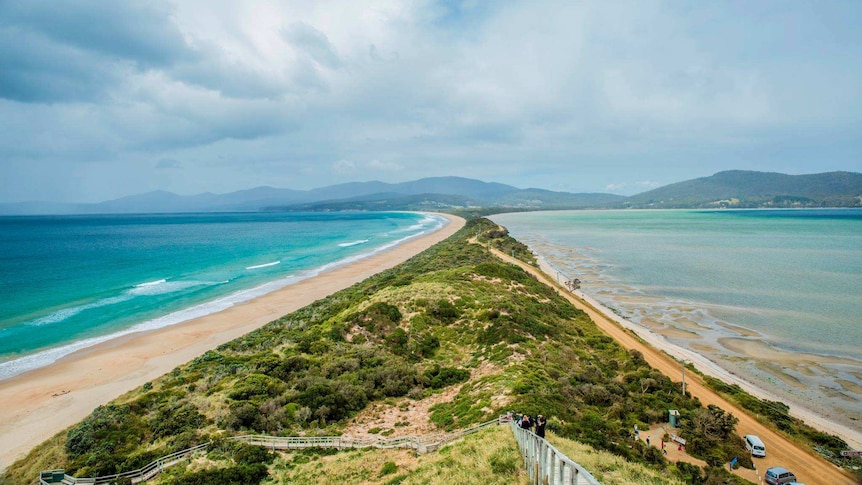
{"points": [[422, 444]]}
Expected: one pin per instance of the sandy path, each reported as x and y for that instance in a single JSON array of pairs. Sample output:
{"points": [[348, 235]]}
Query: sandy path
{"points": [[37, 404], [780, 451]]}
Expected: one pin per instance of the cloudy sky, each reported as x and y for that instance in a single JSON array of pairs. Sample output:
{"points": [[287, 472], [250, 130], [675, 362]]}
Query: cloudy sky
{"points": [[104, 99]]}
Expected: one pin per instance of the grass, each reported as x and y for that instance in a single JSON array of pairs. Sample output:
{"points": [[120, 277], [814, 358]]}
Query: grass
{"points": [[610, 469], [485, 458]]}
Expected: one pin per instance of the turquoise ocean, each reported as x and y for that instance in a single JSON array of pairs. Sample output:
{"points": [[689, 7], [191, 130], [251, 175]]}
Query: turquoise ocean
{"points": [[69, 282], [773, 296]]}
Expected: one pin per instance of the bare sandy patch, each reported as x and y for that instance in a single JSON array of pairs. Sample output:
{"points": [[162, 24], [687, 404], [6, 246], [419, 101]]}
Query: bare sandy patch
{"points": [[680, 333], [850, 386], [758, 350], [777, 371], [742, 331], [707, 349]]}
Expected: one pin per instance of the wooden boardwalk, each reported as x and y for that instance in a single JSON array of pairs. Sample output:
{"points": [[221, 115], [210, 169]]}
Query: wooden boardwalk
{"points": [[422, 444]]}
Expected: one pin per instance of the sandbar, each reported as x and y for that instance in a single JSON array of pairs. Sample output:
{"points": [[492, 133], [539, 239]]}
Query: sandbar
{"points": [[40, 403]]}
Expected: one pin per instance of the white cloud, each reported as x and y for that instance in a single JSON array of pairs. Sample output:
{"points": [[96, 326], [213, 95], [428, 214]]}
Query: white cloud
{"points": [[532, 92]]}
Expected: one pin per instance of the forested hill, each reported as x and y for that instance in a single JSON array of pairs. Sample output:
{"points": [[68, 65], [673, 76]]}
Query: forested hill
{"points": [[745, 189]]}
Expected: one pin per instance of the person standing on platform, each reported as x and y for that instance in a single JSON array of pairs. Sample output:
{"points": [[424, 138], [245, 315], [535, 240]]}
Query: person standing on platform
{"points": [[526, 423], [540, 426]]}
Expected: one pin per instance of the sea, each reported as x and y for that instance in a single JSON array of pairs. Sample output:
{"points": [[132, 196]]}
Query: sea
{"points": [[772, 296], [69, 282]]}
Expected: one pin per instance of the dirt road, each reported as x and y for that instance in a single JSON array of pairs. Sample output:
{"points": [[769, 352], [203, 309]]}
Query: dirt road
{"points": [[808, 468]]}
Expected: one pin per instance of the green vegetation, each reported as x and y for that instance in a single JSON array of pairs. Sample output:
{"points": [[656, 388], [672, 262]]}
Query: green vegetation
{"points": [[488, 457], [777, 415], [237, 464], [451, 320], [499, 239], [711, 435], [747, 189]]}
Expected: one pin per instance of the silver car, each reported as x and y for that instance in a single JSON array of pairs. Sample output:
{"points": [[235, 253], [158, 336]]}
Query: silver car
{"points": [[778, 476]]}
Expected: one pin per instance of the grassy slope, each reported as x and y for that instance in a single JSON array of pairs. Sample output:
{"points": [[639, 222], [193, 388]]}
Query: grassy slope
{"points": [[488, 457], [452, 326]]}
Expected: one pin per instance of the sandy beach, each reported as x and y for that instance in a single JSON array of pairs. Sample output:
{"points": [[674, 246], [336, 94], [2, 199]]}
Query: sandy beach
{"points": [[38, 404]]}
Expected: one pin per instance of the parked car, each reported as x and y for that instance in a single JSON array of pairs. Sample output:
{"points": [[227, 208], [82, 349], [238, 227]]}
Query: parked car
{"points": [[754, 445], [778, 476]]}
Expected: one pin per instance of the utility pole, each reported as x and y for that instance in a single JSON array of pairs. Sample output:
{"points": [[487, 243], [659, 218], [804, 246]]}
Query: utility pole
{"points": [[683, 376]]}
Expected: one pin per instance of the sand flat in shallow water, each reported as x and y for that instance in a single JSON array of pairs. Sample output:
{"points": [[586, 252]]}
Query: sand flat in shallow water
{"points": [[757, 349], [680, 333]]}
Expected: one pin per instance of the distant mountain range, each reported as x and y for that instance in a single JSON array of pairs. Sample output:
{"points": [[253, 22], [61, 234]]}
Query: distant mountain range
{"points": [[436, 193], [735, 188], [745, 189]]}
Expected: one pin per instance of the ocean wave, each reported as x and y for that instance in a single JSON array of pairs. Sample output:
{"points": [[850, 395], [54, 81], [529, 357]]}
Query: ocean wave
{"points": [[49, 356], [151, 288], [264, 265], [424, 223], [163, 286], [353, 243], [66, 313], [151, 283]]}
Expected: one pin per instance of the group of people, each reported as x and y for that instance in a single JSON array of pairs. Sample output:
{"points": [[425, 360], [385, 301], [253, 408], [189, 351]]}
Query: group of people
{"points": [[663, 444], [525, 421]]}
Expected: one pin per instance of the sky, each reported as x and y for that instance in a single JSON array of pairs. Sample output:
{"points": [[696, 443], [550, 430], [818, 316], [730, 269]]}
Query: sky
{"points": [[100, 100]]}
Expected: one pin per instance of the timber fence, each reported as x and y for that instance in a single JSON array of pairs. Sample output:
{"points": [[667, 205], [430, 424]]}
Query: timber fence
{"points": [[422, 444], [545, 464]]}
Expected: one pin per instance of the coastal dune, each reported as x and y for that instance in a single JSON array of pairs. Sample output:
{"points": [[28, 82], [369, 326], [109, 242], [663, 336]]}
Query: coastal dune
{"points": [[39, 403]]}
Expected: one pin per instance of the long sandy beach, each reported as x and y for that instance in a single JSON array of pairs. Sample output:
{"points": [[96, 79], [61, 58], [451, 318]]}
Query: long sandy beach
{"points": [[38, 404]]}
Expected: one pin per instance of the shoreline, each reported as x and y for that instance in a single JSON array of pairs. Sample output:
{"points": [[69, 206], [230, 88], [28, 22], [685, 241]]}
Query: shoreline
{"points": [[710, 368], [41, 402], [50, 355], [782, 449]]}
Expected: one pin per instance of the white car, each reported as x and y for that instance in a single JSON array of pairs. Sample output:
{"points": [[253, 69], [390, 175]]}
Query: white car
{"points": [[754, 445]]}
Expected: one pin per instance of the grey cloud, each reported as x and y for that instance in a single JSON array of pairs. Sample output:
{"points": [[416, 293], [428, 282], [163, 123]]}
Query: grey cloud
{"points": [[67, 51], [536, 90], [136, 30], [39, 70], [312, 43], [215, 70]]}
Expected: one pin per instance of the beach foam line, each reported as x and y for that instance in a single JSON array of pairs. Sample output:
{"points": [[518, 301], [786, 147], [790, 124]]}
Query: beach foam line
{"points": [[353, 243], [49, 356], [66, 313], [151, 283], [150, 288], [166, 287], [264, 265]]}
